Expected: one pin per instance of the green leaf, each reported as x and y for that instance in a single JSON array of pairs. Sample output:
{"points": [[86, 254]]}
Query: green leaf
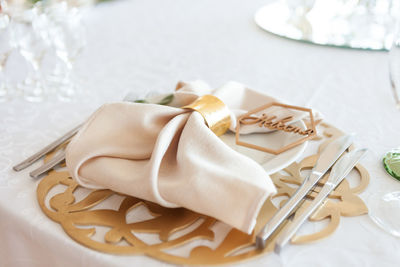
{"points": [[140, 101], [166, 100]]}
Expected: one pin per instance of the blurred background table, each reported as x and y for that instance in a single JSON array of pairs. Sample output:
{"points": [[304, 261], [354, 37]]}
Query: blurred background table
{"points": [[146, 46]]}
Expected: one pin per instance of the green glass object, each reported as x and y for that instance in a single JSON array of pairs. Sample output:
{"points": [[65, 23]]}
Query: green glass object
{"points": [[391, 162]]}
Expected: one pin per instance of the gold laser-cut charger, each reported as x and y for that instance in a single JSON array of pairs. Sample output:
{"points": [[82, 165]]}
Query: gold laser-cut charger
{"points": [[236, 246]]}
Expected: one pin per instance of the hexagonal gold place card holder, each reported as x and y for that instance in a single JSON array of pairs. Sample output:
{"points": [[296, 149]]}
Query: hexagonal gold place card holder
{"points": [[270, 121]]}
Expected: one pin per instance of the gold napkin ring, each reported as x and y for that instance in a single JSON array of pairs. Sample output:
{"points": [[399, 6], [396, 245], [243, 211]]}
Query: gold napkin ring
{"points": [[215, 113]]}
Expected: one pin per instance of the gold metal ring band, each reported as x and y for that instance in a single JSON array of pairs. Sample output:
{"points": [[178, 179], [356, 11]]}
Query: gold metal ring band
{"points": [[215, 113]]}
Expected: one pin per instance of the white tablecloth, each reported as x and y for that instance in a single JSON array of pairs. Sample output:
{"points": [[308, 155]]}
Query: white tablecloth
{"points": [[148, 46]]}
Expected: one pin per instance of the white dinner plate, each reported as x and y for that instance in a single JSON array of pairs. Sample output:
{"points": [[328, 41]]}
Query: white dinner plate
{"points": [[271, 163]]}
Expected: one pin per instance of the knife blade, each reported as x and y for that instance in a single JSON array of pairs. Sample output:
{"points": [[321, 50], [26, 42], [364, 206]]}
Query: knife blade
{"points": [[339, 171], [327, 158]]}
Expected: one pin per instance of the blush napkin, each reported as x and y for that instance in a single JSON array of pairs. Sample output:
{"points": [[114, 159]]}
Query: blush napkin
{"points": [[167, 155]]}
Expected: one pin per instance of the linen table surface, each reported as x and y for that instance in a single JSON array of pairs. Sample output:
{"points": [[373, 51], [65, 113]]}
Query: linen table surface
{"points": [[148, 46]]}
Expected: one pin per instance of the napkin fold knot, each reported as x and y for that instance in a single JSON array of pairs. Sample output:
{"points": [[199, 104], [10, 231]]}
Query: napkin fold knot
{"points": [[215, 113]]}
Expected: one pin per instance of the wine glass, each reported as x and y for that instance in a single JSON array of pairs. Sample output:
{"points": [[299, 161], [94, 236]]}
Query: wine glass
{"points": [[383, 204], [394, 65], [68, 36], [26, 36], [37, 30]]}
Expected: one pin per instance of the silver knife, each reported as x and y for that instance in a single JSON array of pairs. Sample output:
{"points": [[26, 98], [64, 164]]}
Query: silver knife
{"points": [[339, 171], [327, 158]]}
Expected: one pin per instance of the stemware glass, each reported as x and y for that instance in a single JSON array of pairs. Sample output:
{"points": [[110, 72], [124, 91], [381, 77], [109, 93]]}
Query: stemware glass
{"points": [[27, 38], [394, 65], [68, 36], [44, 33], [383, 204], [384, 207]]}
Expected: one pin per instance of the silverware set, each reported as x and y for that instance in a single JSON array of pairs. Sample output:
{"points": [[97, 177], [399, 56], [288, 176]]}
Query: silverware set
{"points": [[57, 159], [328, 158]]}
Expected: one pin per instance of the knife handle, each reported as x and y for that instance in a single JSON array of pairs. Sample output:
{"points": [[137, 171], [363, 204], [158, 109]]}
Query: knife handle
{"points": [[287, 209], [35, 157], [298, 221], [338, 173]]}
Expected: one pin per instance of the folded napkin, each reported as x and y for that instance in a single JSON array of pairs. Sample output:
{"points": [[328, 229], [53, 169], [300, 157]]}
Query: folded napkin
{"points": [[167, 155]]}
